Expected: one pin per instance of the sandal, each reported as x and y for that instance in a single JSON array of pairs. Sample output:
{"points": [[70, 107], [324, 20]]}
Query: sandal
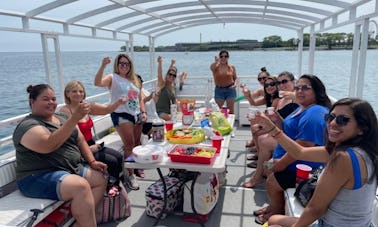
{"points": [[261, 219], [139, 173], [260, 211], [249, 143], [252, 157], [252, 164]]}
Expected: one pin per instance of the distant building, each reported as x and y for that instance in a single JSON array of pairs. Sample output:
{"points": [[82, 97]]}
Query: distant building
{"points": [[241, 44]]}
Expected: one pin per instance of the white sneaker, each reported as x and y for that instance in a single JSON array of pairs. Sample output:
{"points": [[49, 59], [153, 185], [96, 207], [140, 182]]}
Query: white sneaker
{"points": [[132, 183]]}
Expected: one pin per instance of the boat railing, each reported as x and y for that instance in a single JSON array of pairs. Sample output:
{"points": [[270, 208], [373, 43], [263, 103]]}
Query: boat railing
{"points": [[195, 87]]}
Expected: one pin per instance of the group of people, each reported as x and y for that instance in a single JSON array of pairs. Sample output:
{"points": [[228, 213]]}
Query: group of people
{"points": [[57, 157], [306, 128]]}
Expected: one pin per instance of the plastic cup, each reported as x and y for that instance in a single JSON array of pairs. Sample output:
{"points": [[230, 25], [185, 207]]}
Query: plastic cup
{"points": [[168, 125], [303, 172], [270, 110], [280, 94], [216, 142], [224, 110]]}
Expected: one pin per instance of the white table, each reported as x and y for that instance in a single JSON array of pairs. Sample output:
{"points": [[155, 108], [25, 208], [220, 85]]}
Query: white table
{"points": [[217, 165]]}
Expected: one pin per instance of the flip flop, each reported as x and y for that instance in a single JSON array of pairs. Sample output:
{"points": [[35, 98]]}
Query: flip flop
{"points": [[249, 143], [252, 164], [252, 157], [261, 219], [260, 211]]}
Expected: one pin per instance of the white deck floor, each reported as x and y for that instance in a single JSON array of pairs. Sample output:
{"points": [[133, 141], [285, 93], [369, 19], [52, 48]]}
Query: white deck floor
{"points": [[235, 204]]}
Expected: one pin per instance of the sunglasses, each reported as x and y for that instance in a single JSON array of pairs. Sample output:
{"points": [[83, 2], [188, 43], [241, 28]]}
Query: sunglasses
{"points": [[223, 56], [272, 84], [124, 64], [261, 78], [172, 74], [282, 81], [303, 88], [341, 120]]}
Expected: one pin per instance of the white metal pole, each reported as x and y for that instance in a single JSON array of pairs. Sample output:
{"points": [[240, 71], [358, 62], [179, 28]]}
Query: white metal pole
{"points": [[58, 59], [300, 51], [46, 58], [354, 64], [311, 50], [362, 62]]}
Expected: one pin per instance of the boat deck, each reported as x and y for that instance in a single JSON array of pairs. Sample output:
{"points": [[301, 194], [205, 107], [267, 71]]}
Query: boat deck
{"points": [[235, 204]]}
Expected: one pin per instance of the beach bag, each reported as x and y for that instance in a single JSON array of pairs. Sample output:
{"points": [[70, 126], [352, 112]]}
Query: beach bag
{"points": [[306, 188], [205, 192], [115, 204], [220, 123], [155, 196]]}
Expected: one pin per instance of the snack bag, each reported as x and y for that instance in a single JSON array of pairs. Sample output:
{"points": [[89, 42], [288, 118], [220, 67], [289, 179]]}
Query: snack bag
{"points": [[220, 123]]}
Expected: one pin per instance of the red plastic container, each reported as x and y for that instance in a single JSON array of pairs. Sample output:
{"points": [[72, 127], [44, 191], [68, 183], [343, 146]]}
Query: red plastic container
{"points": [[176, 155]]}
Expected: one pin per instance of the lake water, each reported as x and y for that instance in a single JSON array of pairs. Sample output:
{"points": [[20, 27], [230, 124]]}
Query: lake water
{"points": [[18, 70]]}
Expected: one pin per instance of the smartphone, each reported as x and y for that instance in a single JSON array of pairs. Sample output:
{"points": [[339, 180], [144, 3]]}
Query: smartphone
{"points": [[101, 146]]}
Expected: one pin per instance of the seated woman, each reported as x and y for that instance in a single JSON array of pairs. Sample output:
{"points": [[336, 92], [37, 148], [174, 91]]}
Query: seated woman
{"points": [[259, 92], [266, 143], [167, 89], [270, 99], [74, 94], [306, 126], [346, 189], [49, 150]]}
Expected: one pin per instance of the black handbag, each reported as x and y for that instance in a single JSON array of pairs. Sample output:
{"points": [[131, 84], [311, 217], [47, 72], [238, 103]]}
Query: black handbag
{"points": [[306, 188]]}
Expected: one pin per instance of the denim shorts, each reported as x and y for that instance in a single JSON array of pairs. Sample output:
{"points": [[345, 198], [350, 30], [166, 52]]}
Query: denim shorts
{"points": [[45, 185], [119, 118], [221, 93]]}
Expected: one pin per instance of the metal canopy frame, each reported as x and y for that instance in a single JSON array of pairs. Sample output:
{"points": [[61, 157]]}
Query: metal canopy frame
{"points": [[156, 18]]}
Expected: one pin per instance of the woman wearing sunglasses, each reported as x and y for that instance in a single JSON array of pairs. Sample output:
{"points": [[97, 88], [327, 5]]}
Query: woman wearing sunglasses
{"points": [[225, 80], [266, 143], [346, 189], [306, 126], [128, 118], [270, 99], [258, 93], [167, 93]]}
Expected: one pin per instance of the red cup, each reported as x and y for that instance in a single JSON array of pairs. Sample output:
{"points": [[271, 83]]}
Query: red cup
{"points": [[168, 125], [303, 172], [216, 142]]}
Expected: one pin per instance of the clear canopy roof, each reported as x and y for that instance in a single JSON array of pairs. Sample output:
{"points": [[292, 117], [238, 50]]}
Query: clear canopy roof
{"points": [[117, 18]]}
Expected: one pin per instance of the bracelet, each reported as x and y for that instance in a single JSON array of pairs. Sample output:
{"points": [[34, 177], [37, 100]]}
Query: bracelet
{"points": [[277, 134], [90, 163]]}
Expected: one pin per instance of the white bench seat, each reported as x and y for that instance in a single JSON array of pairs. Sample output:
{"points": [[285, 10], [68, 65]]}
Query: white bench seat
{"points": [[15, 209]]}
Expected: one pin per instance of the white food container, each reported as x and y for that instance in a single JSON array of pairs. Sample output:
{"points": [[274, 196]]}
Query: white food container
{"points": [[149, 153]]}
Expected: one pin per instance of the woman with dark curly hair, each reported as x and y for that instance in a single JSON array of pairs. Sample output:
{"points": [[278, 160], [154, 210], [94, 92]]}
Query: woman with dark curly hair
{"points": [[306, 126]]}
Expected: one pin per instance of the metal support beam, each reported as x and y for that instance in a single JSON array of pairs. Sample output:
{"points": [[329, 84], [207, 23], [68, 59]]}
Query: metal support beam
{"points": [[354, 64], [151, 41], [58, 59], [300, 51], [362, 61], [311, 50]]}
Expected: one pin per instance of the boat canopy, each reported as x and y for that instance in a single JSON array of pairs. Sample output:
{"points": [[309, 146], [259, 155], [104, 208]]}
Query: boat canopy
{"points": [[121, 20]]}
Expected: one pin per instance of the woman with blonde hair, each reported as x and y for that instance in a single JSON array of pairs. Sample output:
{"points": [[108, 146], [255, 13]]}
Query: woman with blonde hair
{"points": [[74, 94], [126, 118]]}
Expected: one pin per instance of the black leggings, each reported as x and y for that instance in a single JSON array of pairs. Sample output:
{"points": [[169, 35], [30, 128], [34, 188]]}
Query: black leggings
{"points": [[113, 159]]}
